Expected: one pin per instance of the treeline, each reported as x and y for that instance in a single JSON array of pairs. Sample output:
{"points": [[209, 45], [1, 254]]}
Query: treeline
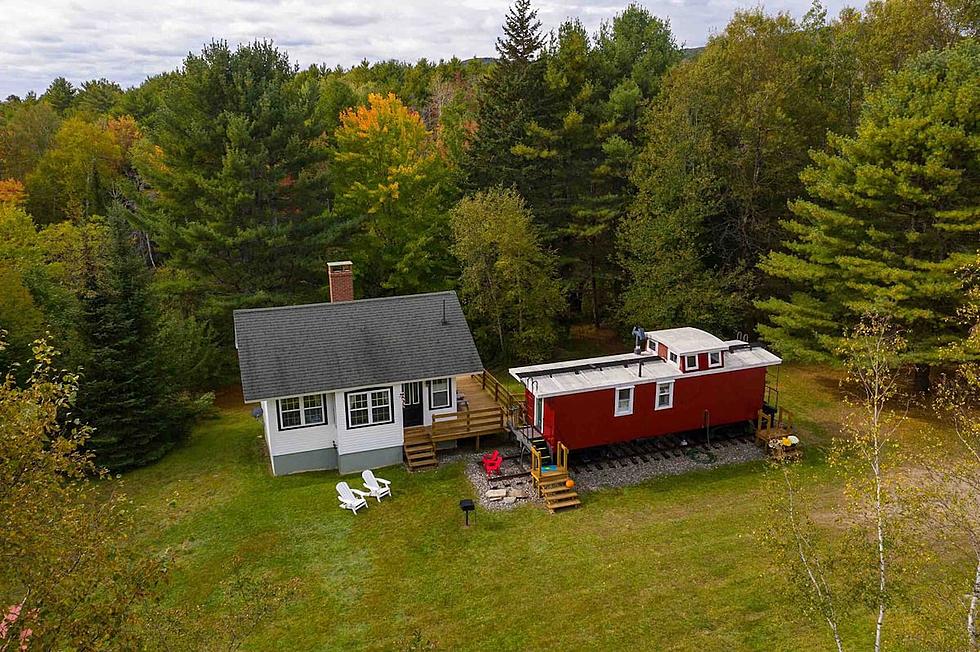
{"points": [[786, 179]]}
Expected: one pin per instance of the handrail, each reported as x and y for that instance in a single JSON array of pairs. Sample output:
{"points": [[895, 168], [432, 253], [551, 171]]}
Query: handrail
{"points": [[497, 389]]}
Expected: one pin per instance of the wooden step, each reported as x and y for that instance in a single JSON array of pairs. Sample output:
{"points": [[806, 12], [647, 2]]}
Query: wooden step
{"points": [[553, 487], [427, 452], [564, 504], [559, 496]]}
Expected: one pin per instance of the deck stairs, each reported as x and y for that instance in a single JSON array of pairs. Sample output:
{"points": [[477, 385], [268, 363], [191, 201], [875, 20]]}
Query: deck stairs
{"points": [[551, 479], [420, 450], [557, 495], [541, 446]]}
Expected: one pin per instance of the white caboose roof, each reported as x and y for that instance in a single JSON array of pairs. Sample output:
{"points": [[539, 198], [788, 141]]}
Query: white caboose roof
{"points": [[689, 340], [574, 376]]}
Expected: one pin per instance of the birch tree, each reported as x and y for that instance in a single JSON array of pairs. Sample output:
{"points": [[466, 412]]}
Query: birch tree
{"points": [[837, 571]]}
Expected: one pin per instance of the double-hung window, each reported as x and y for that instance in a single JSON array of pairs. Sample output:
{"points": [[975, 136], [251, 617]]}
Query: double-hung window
{"points": [[665, 395], [300, 411], [624, 401], [690, 362], [714, 359], [369, 408], [439, 394]]}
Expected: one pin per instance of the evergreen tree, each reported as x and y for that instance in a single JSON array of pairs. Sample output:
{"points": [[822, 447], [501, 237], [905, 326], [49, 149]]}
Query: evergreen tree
{"points": [[60, 94], [894, 214], [597, 92], [511, 103], [239, 197], [97, 96], [122, 394]]}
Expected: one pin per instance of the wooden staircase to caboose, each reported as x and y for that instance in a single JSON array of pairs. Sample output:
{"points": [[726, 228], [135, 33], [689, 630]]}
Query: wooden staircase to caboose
{"points": [[420, 450], [552, 484]]}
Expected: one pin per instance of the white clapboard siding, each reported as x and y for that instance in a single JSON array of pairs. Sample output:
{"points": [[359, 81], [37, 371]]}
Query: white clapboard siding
{"points": [[298, 440], [368, 438]]}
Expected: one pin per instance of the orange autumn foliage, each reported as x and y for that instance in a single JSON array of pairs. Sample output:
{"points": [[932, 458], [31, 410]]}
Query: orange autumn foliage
{"points": [[12, 192]]}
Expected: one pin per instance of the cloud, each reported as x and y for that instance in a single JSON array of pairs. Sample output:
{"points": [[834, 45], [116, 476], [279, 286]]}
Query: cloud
{"points": [[126, 41]]}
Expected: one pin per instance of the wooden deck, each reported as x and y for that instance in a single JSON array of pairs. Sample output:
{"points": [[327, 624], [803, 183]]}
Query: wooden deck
{"points": [[484, 407]]}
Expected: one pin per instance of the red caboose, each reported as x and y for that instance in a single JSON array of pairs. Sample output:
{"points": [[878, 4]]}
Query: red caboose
{"points": [[676, 380]]}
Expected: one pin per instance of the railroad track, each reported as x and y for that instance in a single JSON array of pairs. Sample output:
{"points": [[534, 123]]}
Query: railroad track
{"points": [[640, 451]]}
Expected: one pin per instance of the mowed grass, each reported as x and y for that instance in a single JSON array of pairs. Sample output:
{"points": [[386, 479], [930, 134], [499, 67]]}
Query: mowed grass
{"points": [[672, 564]]}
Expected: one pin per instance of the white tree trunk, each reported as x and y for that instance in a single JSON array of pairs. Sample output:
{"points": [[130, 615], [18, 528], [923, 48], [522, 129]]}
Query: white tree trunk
{"points": [[971, 615]]}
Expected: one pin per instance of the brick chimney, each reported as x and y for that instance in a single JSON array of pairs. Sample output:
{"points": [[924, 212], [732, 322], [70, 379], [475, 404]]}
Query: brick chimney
{"points": [[341, 277]]}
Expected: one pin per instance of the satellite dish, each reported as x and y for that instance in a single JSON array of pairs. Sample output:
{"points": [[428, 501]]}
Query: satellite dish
{"points": [[257, 412]]}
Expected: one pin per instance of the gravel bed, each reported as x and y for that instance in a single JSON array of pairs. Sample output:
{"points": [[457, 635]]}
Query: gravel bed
{"points": [[520, 488], [623, 476], [588, 480]]}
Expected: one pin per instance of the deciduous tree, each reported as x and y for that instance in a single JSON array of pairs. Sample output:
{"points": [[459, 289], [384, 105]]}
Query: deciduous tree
{"points": [[65, 555], [392, 190], [509, 283], [74, 176]]}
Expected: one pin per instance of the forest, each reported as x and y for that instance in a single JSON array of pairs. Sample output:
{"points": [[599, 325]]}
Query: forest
{"points": [[785, 181], [769, 183]]}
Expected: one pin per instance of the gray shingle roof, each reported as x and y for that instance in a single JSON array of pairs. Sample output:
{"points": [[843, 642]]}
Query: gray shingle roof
{"points": [[327, 346]]}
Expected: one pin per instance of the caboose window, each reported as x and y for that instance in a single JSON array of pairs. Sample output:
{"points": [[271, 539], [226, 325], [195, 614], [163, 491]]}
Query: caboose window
{"points": [[690, 362], [624, 401], [714, 359], [665, 395]]}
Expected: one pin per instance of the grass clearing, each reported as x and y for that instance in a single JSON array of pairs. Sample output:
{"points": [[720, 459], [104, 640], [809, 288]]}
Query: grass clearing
{"points": [[672, 564]]}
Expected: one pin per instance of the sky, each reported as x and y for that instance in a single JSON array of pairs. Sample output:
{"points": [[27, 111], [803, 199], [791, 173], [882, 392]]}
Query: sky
{"points": [[128, 41]]}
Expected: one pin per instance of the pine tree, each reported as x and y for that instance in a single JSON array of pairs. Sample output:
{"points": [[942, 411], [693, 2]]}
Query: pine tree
{"points": [[239, 198], [121, 394], [511, 103], [60, 94], [597, 91], [894, 214]]}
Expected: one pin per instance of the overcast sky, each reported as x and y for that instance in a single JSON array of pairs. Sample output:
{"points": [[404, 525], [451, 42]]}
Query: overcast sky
{"points": [[127, 41]]}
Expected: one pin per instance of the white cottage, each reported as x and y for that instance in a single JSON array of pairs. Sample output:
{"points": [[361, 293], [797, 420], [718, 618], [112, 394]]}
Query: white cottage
{"points": [[338, 382]]}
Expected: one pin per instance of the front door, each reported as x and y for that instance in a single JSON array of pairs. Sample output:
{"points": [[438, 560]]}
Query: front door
{"points": [[412, 404]]}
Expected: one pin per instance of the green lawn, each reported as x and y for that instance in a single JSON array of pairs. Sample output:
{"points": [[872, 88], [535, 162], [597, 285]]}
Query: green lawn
{"points": [[672, 564]]}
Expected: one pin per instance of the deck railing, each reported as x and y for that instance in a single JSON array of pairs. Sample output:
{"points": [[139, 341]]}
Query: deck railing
{"points": [[467, 423]]}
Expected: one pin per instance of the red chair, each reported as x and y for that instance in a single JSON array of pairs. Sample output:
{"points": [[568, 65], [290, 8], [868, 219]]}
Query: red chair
{"points": [[492, 463]]}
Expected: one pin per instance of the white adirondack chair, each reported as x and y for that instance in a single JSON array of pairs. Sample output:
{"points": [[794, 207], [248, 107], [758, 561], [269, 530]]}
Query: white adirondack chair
{"points": [[351, 499], [377, 487]]}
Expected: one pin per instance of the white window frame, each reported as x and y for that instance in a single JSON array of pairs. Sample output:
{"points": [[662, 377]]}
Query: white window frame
{"points": [[301, 408], [670, 396], [616, 409], [687, 362], [714, 364], [672, 357], [539, 414], [373, 402], [652, 346], [433, 391]]}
